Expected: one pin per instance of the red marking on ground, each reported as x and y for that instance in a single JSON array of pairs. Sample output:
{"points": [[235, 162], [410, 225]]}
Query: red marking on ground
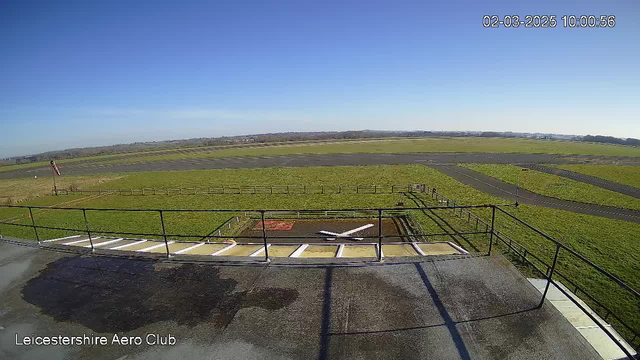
{"points": [[275, 225]]}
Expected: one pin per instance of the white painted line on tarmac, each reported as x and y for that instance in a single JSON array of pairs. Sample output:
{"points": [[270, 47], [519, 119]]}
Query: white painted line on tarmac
{"points": [[62, 238], [127, 245], [418, 250], [223, 250], [79, 241], [105, 243], [154, 247], [340, 250], [260, 251], [189, 248], [458, 248], [299, 250]]}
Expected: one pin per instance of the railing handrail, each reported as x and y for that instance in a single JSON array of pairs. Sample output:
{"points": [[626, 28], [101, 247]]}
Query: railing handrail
{"points": [[576, 254], [548, 275]]}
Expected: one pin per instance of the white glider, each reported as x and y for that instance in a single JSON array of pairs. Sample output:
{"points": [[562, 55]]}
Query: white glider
{"points": [[346, 233]]}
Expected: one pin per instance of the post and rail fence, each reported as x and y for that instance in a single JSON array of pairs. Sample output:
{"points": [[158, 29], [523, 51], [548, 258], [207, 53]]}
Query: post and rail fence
{"points": [[254, 189]]}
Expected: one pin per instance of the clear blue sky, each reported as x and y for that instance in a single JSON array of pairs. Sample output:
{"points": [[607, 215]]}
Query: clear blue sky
{"points": [[81, 73]]}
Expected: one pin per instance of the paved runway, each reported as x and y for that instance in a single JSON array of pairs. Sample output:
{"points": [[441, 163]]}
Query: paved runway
{"points": [[593, 180], [309, 160], [501, 189]]}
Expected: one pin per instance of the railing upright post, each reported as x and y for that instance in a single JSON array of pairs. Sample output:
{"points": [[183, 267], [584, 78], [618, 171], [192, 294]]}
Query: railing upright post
{"points": [[493, 220], [264, 237], [33, 223], [379, 234], [86, 225], [164, 233], [553, 268]]}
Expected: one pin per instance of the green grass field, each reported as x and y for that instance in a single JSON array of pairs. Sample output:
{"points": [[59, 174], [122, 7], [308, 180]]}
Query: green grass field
{"points": [[629, 175], [310, 176], [609, 243], [17, 190], [556, 186], [203, 224], [422, 145]]}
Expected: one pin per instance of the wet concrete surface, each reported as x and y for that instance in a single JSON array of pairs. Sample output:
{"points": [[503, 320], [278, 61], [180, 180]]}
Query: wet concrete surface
{"points": [[314, 160], [117, 295], [411, 310]]}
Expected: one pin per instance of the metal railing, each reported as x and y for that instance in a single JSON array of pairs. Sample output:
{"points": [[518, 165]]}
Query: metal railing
{"points": [[463, 211], [371, 213], [251, 189], [550, 268]]}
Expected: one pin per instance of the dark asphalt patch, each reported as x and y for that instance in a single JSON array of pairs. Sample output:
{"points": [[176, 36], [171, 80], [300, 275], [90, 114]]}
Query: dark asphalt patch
{"points": [[116, 295]]}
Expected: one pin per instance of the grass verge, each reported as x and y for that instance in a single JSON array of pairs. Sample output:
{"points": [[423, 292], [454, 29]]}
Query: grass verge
{"points": [[13, 191], [556, 186], [628, 175]]}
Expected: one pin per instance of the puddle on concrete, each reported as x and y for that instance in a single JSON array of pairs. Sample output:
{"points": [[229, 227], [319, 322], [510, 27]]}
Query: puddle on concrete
{"points": [[118, 295]]}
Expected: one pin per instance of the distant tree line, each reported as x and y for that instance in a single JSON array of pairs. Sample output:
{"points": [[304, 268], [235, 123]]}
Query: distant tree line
{"points": [[611, 140]]}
